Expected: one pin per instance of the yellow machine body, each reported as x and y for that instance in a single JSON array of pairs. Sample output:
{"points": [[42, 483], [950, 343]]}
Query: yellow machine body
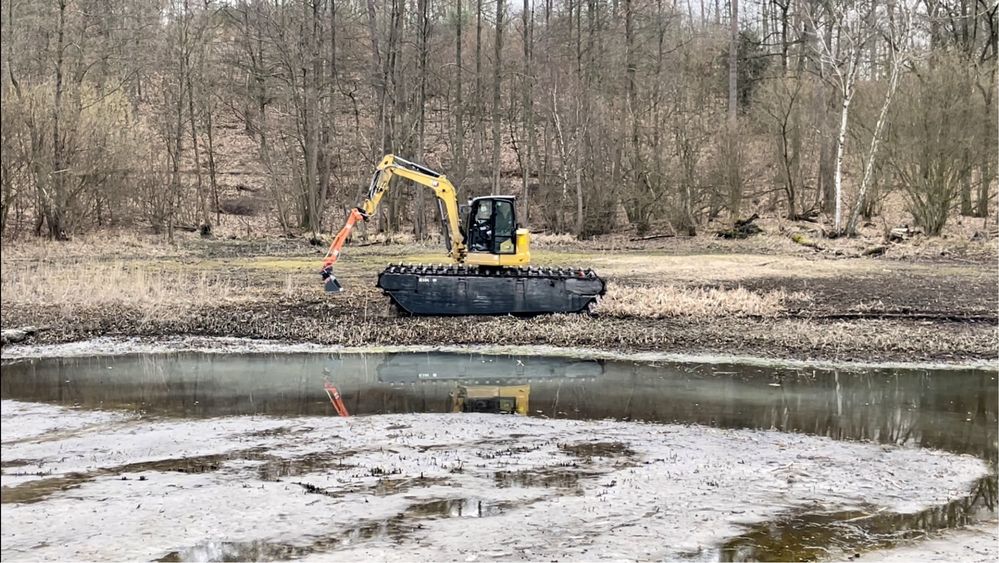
{"points": [[502, 399]]}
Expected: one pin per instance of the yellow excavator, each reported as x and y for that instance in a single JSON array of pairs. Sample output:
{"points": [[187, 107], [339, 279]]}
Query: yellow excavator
{"points": [[490, 275]]}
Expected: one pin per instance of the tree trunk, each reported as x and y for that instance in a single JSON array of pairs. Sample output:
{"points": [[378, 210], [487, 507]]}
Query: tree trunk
{"points": [[580, 223], [528, 102], [378, 82], [989, 157], [459, 110], [631, 96], [424, 31], [186, 49], [212, 169], [827, 103], [53, 209], [733, 64], [734, 150], [310, 124], [872, 152], [478, 106], [838, 170], [966, 207], [497, 77]]}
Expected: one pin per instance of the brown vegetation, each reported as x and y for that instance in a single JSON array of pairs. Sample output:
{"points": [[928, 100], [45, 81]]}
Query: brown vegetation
{"points": [[156, 293], [691, 295], [656, 302]]}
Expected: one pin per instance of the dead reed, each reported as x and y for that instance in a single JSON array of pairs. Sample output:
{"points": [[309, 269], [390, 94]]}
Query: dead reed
{"points": [[159, 292], [656, 302]]}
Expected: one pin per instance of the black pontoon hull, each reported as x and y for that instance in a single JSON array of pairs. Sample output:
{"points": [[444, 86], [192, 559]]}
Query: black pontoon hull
{"points": [[460, 290]]}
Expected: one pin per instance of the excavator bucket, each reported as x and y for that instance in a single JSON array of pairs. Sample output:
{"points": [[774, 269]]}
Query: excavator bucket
{"points": [[330, 283]]}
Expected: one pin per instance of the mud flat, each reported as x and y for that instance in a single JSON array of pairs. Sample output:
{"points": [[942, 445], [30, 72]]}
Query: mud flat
{"points": [[430, 486]]}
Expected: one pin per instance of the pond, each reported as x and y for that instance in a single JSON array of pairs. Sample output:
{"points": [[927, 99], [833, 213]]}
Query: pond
{"points": [[954, 410]]}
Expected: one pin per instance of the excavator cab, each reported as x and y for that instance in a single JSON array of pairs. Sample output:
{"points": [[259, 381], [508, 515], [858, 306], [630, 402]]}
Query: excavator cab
{"points": [[491, 225], [491, 234]]}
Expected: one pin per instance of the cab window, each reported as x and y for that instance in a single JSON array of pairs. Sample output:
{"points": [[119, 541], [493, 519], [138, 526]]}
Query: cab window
{"points": [[504, 241]]}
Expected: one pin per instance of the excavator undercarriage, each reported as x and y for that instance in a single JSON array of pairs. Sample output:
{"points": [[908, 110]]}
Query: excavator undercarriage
{"points": [[462, 290]]}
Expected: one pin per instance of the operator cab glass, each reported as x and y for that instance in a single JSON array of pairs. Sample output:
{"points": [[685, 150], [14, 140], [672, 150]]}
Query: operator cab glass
{"points": [[492, 226], [503, 219]]}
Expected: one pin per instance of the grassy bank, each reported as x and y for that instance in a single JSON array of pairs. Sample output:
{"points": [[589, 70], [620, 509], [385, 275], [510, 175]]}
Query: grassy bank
{"points": [[769, 298]]}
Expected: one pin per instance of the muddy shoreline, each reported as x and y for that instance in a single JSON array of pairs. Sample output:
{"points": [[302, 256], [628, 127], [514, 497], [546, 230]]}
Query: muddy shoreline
{"points": [[565, 489], [118, 346], [157, 426], [318, 322]]}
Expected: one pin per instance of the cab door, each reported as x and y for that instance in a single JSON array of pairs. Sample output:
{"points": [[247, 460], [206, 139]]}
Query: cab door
{"points": [[492, 226]]}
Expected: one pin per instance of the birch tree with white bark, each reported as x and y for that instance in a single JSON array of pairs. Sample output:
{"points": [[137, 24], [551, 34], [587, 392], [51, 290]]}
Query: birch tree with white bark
{"points": [[840, 58], [895, 23]]}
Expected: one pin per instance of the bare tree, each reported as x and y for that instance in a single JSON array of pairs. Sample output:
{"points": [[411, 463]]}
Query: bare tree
{"points": [[932, 133], [842, 57], [497, 89], [174, 114], [897, 34]]}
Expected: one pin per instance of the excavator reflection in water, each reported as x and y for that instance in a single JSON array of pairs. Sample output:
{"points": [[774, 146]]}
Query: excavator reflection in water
{"points": [[496, 399], [487, 384], [490, 274]]}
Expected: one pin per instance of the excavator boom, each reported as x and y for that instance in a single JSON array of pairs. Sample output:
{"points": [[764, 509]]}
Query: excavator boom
{"points": [[332, 285], [390, 167]]}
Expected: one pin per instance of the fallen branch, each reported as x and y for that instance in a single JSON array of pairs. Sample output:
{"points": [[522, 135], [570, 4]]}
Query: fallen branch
{"points": [[744, 228], [651, 237], [15, 335], [803, 240], [878, 250], [903, 233]]}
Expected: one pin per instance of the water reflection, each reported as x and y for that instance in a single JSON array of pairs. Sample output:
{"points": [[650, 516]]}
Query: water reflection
{"points": [[808, 536], [954, 410]]}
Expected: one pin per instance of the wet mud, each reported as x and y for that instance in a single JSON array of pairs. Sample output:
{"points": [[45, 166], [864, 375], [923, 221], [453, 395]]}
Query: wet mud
{"points": [[39, 489]]}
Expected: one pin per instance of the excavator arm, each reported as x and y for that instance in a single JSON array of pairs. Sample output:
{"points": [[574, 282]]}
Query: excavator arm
{"points": [[392, 166]]}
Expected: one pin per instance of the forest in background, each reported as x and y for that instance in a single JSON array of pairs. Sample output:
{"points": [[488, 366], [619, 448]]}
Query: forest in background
{"points": [[600, 115]]}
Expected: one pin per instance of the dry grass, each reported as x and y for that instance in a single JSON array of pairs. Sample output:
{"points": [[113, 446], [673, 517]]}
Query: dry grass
{"points": [[160, 293], [702, 268], [406, 238], [98, 245], [671, 301], [547, 240]]}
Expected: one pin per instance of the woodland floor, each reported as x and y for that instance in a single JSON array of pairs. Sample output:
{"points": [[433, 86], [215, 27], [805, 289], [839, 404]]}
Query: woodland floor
{"points": [[927, 299]]}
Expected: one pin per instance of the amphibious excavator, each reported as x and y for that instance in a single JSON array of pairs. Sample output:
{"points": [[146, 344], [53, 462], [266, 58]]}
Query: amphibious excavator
{"points": [[490, 273]]}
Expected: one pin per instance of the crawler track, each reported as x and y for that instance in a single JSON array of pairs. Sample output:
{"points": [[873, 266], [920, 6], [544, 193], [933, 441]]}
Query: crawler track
{"points": [[437, 289]]}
